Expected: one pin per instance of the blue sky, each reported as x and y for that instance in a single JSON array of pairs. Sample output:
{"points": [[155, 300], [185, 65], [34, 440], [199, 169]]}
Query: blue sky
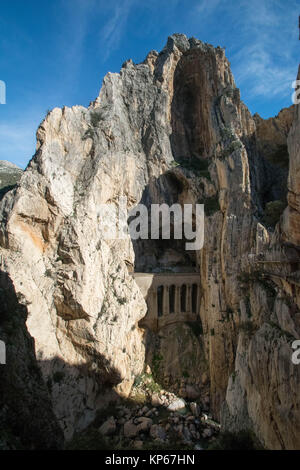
{"points": [[56, 52]]}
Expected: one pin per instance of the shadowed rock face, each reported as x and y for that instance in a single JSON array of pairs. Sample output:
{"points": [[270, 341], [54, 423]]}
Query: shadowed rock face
{"points": [[271, 135], [26, 416], [194, 92], [291, 223], [171, 129]]}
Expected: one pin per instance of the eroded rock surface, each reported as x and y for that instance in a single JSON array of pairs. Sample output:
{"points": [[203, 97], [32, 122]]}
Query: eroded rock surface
{"points": [[262, 391]]}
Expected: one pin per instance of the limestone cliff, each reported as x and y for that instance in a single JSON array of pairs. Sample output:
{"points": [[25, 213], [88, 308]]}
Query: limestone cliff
{"points": [[271, 138], [262, 393], [171, 129], [291, 217], [272, 135]]}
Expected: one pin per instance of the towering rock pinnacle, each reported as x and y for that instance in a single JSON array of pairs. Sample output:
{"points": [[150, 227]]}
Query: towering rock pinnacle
{"points": [[171, 129]]}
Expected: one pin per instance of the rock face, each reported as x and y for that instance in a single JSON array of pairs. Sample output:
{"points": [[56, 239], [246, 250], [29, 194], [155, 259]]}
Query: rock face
{"points": [[262, 393], [272, 135], [291, 223], [171, 129], [109, 427], [26, 415], [271, 138]]}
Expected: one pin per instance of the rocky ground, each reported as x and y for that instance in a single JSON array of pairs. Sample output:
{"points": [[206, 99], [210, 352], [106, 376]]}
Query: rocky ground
{"points": [[152, 418]]}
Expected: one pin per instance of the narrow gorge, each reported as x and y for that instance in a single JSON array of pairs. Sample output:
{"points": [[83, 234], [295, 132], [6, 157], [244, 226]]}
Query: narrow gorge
{"points": [[90, 323]]}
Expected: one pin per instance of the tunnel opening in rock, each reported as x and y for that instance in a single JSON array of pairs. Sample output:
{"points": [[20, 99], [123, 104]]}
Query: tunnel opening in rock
{"points": [[160, 254]]}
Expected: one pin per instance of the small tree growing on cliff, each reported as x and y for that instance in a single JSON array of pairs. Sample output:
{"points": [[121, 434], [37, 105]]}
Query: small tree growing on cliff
{"points": [[273, 211]]}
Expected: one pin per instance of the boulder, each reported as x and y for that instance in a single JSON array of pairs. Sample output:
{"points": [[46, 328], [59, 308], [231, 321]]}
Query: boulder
{"points": [[144, 424], [108, 427], [177, 404], [130, 429], [157, 432], [156, 400]]}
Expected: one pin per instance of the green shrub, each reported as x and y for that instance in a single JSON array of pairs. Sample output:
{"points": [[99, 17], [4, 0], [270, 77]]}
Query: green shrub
{"points": [[211, 205], [156, 361], [96, 118], [232, 147], [273, 211], [227, 133], [174, 164], [199, 166], [138, 380], [232, 143]]}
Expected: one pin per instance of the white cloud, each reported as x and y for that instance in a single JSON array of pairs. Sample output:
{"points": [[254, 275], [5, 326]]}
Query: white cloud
{"points": [[261, 37], [206, 8], [265, 64], [73, 34], [111, 33]]}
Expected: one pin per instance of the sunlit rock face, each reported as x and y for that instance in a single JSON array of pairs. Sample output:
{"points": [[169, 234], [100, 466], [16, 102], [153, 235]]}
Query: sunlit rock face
{"points": [[171, 129]]}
